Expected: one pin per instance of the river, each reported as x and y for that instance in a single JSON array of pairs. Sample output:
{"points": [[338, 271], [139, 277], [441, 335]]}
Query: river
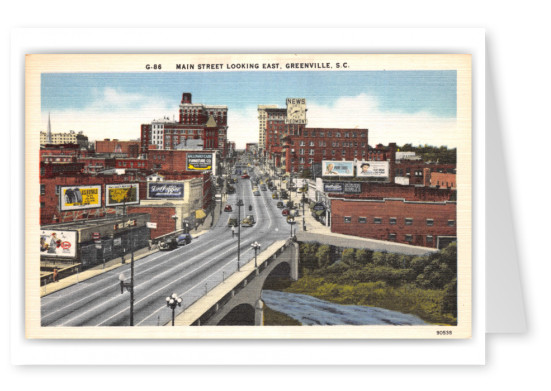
{"points": [[311, 311]]}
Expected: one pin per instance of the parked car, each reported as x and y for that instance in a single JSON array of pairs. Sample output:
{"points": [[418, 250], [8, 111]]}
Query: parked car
{"points": [[274, 195], [285, 212], [232, 222], [245, 176], [263, 187], [246, 222], [256, 193], [251, 219], [168, 244], [284, 195], [228, 208], [280, 205], [183, 239]]}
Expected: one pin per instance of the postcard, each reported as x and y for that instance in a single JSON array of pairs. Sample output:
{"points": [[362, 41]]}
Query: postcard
{"points": [[248, 196]]}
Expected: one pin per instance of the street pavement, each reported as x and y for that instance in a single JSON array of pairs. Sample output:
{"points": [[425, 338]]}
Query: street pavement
{"points": [[189, 271]]}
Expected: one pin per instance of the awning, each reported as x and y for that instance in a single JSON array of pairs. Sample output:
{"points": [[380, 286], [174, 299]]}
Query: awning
{"points": [[200, 214], [319, 212]]}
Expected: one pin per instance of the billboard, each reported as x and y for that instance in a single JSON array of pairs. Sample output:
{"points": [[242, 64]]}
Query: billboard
{"points": [[79, 197], [58, 243], [199, 161], [163, 190], [372, 169], [337, 168], [122, 194], [342, 187]]}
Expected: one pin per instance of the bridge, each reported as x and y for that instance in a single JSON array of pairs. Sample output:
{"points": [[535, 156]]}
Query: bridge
{"points": [[237, 301]]}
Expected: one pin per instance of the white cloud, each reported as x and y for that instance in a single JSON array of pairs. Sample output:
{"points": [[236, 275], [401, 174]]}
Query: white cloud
{"points": [[363, 112]]}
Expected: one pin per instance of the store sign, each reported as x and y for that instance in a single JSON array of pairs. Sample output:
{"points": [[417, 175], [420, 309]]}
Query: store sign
{"points": [[122, 194], [151, 225], [124, 224], [319, 206], [163, 190], [337, 168], [58, 243], [79, 197], [372, 169], [352, 187], [333, 187], [199, 161]]}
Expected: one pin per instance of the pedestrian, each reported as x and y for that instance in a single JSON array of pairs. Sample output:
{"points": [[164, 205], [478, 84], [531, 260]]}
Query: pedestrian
{"points": [[233, 231], [55, 275]]}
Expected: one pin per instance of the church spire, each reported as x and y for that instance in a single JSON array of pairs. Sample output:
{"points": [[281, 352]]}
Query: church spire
{"points": [[49, 133]]}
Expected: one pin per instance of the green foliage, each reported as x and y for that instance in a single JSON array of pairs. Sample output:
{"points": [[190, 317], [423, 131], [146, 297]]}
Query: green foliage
{"points": [[423, 285], [433, 154]]}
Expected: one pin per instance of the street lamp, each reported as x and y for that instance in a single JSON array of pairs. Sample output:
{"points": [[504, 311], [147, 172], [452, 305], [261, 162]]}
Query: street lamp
{"points": [[175, 218], [172, 302], [239, 204], [303, 201], [256, 247], [130, 288]]}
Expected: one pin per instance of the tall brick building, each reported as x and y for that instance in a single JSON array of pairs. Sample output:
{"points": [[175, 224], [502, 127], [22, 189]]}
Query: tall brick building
{"points": [[195, 121], [294, 147]]}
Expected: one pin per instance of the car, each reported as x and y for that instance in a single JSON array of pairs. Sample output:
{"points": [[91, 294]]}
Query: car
{"points": [[285, 212], [284, 195], [263, 187], [251, 219], [168, 244], [290, 204], [280, 205], [232, 222], [246, 223], [183, 239], [228, 208], [256, 193], [274, 196], [245, 176]]}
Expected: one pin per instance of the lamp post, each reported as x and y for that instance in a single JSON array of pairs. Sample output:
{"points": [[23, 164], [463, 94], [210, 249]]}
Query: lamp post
{"points": [[239, 204], [130, 288], [303, 201], [175, 218], [172, 302], [256, 247]]}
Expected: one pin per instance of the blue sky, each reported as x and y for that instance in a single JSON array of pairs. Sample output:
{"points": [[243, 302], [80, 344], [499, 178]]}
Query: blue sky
{"points": [[390, 103]]}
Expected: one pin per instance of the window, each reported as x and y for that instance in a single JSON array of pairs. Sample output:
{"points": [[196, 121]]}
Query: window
{"points": [[42, 189], [329, 134], [362, 220], [57, 187], [391, 236], [451, 223], [301, 151], [392, 221], [302, 143], [338, 134], [430, 222], [409, 238], [409, 221], [333, 152], [347, 219], [377, 220], [429, 239], [311, 152]]}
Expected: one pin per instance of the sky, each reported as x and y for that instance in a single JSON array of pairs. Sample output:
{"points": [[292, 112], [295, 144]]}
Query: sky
{"points": [[417, 107]]}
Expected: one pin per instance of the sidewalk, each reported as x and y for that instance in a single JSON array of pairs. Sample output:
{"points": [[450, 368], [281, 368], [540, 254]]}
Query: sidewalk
{"points": [[92, 272], [312, 225]]}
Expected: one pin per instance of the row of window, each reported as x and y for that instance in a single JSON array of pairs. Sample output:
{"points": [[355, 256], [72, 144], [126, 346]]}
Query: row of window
{"points": [[409, 237], [393, 220], [333, 152]]}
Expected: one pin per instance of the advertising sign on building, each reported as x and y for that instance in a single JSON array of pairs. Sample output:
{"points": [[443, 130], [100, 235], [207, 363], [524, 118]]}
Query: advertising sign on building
{"points": [[58, 243], [372, 169], [337, 168], [199, 161], [329, 187], [352, 187], [163, 190], [79, 197], [122, 194]]}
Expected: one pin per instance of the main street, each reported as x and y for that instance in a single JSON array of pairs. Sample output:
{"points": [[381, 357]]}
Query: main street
{"points": [[189, 271]]}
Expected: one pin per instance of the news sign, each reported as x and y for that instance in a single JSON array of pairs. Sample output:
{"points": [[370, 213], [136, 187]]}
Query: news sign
{"points": [[199, 161], [372, 169], [337, 168], [122, 194], [58, 243], [79, 197], [165, 190]]}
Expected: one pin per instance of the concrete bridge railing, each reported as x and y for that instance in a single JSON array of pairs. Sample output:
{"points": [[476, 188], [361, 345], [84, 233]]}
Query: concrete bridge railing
{"points": [[237, 301]]}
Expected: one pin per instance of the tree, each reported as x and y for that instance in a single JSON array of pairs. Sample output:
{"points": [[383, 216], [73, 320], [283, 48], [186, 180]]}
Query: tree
{"points": [[364, 257], [349, 256], [378, 258], [449, 304], [324, 256]]}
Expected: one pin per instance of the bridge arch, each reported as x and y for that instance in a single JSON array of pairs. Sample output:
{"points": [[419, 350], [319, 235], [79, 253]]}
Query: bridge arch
{"points": [[240, 315]]}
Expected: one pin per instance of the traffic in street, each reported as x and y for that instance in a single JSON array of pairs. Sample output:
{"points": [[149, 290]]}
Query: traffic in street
{"points": [[188, 269]]}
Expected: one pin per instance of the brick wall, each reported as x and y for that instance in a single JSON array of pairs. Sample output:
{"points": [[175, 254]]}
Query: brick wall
{"points": [[346, 214]]}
